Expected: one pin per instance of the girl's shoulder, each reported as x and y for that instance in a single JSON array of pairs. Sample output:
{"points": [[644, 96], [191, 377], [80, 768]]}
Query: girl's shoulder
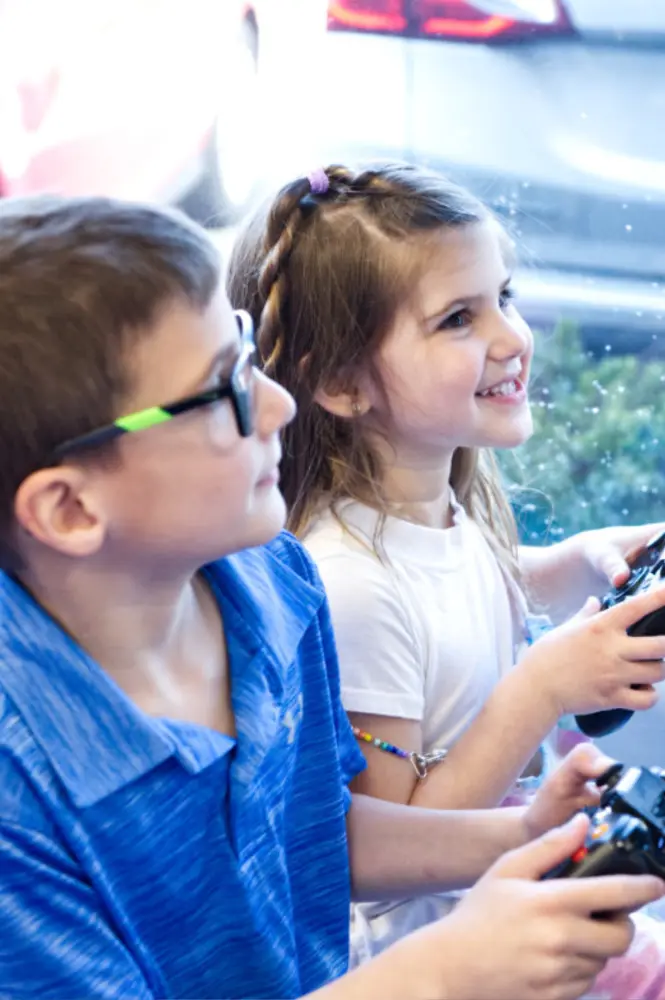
{"points": [[351, 529]]}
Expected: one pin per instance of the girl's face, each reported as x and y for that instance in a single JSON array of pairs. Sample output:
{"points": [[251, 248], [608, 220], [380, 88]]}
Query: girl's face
{"points": [[455, 367]]}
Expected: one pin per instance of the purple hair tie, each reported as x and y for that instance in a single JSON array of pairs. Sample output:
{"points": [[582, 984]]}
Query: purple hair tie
{"points": [[318, 181]]}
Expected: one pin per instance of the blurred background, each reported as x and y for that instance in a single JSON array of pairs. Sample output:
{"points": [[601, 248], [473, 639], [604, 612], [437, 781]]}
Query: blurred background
{"points": [[552, 111]]}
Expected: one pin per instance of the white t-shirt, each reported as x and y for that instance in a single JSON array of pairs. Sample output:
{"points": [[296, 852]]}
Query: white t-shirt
{"points": [[425, 632]]}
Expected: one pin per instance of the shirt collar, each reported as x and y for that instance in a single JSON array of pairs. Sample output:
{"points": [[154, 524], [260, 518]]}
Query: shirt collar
{"points": [[96, 739]]}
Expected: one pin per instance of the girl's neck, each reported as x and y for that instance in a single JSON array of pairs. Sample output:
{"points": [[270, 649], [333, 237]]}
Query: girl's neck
{"points": [[419, 496]]}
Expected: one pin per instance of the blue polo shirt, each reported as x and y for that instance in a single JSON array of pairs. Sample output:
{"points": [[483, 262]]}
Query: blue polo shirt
{"points": [[144, 858]]}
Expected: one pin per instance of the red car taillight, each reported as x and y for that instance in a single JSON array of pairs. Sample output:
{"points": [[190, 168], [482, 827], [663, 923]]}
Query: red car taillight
{"points": [[368, 15], [455, 19]]}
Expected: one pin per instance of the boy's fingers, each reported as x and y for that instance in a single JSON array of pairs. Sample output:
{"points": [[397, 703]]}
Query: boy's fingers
{"points": [[605, 938], [608, 893], [536, 858]]}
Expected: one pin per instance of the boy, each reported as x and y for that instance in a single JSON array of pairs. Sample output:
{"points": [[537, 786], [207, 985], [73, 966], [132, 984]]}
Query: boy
{"points": [[173, 753]]}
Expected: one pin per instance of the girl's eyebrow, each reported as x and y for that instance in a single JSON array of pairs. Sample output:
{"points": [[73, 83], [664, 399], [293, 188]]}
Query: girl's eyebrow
{"points": [[466, 300]]}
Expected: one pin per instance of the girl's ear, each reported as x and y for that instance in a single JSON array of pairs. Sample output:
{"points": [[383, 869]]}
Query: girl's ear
{"points": [[346, 404]]}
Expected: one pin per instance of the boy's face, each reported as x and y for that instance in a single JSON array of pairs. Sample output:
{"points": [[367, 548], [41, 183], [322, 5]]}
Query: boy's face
{"points": [[190, 490]]}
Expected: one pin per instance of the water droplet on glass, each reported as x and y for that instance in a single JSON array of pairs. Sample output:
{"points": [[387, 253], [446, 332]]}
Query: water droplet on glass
{"points": [[608, 347], [596, 384], [621, 388], [624, 512], [628, 228]]}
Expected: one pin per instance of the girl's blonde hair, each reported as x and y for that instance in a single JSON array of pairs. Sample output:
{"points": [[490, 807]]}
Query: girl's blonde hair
{"points": [[324, 276]]}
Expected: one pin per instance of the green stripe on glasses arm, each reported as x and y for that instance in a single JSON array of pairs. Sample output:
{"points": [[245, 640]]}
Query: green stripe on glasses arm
{"points": [[144, 418]]}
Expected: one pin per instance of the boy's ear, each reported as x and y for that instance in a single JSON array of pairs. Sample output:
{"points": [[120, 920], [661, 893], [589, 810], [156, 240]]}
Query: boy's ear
{"points": [[55, 507]]}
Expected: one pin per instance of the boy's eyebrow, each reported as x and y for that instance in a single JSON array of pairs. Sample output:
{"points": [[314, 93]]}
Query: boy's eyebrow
{"points": [[223, 359]]}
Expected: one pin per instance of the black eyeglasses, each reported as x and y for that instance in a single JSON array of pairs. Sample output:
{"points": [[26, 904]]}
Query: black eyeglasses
{"points": [[237, 388]]}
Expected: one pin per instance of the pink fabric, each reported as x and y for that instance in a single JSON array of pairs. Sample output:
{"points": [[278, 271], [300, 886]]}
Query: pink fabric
{"points": [[640, 974]]}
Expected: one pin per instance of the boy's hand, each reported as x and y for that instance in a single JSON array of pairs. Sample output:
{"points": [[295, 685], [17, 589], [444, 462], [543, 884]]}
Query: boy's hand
{"points": [[515, 936], [590, 663], [567, 790]]}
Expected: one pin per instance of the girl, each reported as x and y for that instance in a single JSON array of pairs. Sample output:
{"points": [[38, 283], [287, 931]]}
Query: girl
{"points": [[386, 309]]}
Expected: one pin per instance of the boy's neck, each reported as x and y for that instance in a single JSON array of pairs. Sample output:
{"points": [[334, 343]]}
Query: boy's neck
{"points": [[161, 641]]}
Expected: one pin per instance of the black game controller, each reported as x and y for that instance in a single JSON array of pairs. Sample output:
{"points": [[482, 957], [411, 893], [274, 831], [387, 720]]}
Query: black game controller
{"points": [[646, 572], [627, 831]]}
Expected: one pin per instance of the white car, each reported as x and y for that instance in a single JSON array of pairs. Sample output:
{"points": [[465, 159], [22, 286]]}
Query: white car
{"points": [[553, 111]]}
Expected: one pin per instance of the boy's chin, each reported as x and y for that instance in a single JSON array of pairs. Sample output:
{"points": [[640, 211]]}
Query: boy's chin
{"points": [[267, 523]]}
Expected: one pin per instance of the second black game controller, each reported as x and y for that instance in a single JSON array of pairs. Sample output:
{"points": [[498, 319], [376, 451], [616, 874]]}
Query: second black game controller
{"points": [[626, 835], [647, 571]]}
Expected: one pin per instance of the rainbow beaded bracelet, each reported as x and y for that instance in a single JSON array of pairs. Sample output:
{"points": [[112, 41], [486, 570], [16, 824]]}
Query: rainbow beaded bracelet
{"points": [[421, 762]]}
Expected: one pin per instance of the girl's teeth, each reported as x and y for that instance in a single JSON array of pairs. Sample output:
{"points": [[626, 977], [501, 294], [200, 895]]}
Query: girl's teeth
{"points": [[505, 389]]}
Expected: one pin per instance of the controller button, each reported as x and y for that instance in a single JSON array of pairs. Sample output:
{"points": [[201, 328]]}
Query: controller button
{"points": [[579, 855], [599, 831]]}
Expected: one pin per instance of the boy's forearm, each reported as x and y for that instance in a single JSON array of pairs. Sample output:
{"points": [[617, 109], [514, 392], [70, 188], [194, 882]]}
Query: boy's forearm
{"points": [[399, 851], [396, 974]]}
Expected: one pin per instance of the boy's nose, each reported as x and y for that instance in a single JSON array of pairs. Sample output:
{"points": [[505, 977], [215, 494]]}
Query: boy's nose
{"points": [[275, 407]]}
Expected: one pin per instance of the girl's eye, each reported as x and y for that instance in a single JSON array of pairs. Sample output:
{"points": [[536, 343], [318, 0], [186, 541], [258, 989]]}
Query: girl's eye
{"points": [[506, 297], [457, 321]]}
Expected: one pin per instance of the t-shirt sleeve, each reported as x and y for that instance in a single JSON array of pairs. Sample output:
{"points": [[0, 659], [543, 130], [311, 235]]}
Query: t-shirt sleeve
{"points": [[381, 665], [55, 939]]}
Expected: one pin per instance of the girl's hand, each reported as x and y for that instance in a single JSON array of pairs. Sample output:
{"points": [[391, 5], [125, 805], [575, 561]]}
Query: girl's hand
{"points": [[609, 551], [590, 663], [567, 790]]}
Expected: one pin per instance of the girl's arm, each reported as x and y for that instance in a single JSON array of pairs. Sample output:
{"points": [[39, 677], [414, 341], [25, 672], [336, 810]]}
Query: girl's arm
{"points": [[589, 663], [482, 765], [585, 665], [560, 577]]}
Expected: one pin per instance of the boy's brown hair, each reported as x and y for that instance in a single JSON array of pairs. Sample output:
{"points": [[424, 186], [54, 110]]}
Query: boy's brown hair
{"points": [[81, 281], [324, 276]]}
